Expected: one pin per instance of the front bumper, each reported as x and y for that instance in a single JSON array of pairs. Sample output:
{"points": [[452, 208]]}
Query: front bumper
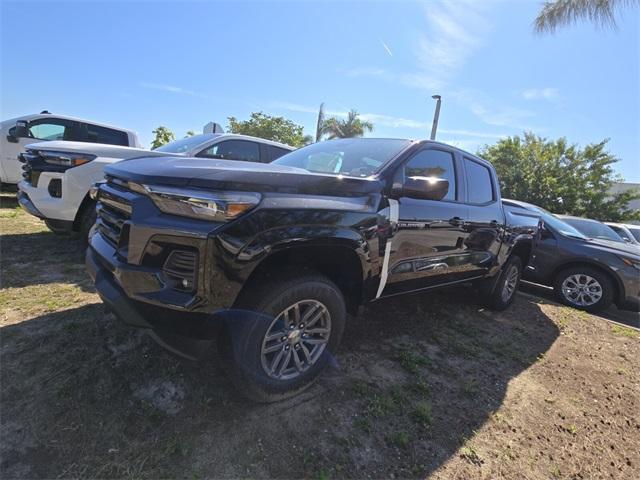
{"points": [[112, 280]]}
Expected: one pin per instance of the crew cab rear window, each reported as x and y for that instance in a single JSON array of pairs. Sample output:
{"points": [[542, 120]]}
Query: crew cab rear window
{"points": [[97, 134], [479, 184], [233, 150], [433, 163]]}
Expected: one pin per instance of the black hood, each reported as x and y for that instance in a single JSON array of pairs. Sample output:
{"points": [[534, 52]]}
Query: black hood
{"points": [[237, 175]]}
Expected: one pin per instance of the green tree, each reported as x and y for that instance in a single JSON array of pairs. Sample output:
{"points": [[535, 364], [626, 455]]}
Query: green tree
{"points": [[558, 13], [190, 133], [278, 129], [162, 136], [352, 126], [561, 177]]}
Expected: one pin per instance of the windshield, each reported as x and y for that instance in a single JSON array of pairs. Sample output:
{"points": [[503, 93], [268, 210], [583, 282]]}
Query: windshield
{"points": [[593, 229], [635, 231], [354, 157], [560, 226], [185, 144]]}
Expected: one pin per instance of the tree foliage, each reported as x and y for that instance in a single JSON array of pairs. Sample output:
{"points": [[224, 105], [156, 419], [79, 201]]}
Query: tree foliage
{"points": [[278, 129], [352, 126], [560, 177], [162, 136], [558, 13], [190, 133]]}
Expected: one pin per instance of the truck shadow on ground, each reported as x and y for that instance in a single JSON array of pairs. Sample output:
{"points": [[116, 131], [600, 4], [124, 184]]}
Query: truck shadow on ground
{"points": [[86, 396], [43, 258]]}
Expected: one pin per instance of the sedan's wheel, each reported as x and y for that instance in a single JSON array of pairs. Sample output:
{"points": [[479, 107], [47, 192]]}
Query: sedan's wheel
{"points": [[283, 334], [295, 339], [584, 288]]}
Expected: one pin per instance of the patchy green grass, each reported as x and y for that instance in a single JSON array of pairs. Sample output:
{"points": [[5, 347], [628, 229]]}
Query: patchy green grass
{"points": [[422, 414], [412, 361], [624, 331]]}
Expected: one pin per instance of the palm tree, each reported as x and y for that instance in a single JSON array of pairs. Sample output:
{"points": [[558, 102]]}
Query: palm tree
{"points": [[320, 124], [557, 13], [351, 127]]}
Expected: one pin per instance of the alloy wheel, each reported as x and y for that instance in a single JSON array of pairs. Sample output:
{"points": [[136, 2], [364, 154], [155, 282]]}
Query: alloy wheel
{"points": [[582, 290], [296, 339], [510, 284]]}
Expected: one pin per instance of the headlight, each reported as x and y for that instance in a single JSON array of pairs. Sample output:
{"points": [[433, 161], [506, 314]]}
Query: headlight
{"points": [[65, 159], [632, 262], [201, 204]]}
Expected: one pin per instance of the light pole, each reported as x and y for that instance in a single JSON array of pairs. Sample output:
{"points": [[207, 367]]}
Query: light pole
{"points": [[436, 116]]}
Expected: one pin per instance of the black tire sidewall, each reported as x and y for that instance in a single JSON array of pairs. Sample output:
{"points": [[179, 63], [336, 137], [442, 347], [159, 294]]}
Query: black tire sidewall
{"points": [[244, 336], [496, 302], [87, 219], [603, 280]]}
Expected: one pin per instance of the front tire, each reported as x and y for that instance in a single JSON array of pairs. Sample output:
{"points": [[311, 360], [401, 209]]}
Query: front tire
{"points": [[505, 290], [284, 336], [86, 221], [584, 288]]}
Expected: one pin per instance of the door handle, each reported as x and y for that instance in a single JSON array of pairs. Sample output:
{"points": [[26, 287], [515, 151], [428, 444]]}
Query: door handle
{"points": [[456, 221]]}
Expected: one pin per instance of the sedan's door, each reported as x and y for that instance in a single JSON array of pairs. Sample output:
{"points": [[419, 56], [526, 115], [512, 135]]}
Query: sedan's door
{"points": [[427, 246]]}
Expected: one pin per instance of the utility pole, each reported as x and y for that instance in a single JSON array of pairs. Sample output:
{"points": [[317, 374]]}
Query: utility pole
{"points": [[436, 116]]}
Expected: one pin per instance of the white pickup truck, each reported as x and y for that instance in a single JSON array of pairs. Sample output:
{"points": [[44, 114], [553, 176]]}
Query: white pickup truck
{"points": [[57, 176], [16, 133]]}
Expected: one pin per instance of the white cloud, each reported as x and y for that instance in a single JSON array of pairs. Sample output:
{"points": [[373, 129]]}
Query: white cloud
{"points": [[453, 31], [167, 88], [541, 94], [389, 121]]}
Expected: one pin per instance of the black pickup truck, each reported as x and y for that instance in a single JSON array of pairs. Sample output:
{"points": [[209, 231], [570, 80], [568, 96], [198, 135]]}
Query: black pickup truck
{"points": [[271, 258]]}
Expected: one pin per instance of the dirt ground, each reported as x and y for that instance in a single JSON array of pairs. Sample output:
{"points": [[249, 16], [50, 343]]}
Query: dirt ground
{"points": [[425, 385]]}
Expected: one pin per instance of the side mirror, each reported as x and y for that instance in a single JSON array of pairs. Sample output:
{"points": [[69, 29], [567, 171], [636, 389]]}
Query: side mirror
{"points": [[19, 130], [425, 188]]}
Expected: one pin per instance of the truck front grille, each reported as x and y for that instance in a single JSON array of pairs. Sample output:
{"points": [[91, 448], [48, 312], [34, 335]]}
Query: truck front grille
{"points": [[28, 158], [112, 213]]}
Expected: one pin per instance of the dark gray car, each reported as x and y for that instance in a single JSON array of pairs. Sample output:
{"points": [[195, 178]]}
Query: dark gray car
{"points": [[586, 273]]}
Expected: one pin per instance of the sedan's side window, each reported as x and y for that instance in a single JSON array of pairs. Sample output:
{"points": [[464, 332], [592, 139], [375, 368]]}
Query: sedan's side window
{"points": [[433, 164], [233, 150], [51, 129]]}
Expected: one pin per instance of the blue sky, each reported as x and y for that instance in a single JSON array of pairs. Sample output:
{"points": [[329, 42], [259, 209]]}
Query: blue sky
{"points": [[180, 64]]}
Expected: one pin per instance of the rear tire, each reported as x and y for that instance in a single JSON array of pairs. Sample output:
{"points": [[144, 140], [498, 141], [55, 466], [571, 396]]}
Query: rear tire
{"points": [[271, 324], [505, 289], [584, 288]]}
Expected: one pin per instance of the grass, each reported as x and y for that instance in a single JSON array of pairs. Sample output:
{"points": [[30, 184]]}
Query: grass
{"points": [[72, 377], [624, 331], [412, 361], [400, 439], [422, 414]]}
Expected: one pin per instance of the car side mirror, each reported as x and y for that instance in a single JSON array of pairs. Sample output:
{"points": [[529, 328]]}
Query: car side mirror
{"points": [[19, 130], [425, 188]]}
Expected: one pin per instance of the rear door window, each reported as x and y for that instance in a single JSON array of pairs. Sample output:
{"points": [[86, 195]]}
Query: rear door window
{"points": [[479, 183], [98, 134], [233, 150]]}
